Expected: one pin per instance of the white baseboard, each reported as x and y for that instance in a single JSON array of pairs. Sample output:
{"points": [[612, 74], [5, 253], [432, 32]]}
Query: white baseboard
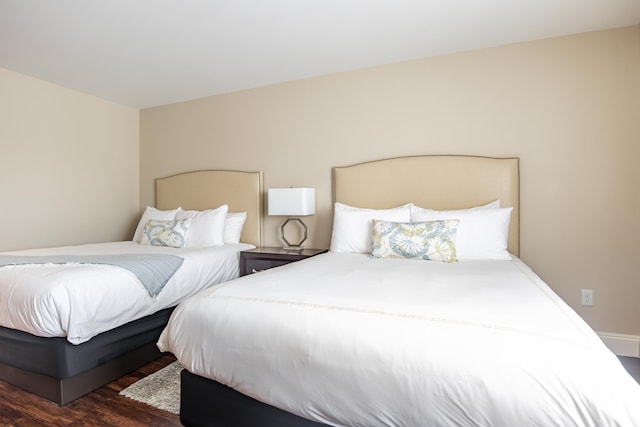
{"points": [[621, 344]]}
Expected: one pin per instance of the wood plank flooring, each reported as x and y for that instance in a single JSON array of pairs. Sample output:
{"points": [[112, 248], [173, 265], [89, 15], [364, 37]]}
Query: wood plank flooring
{"points": [[105, 407]]}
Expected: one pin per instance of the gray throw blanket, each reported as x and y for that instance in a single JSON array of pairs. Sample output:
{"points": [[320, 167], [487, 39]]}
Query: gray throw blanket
{"points": [[153, 270]]}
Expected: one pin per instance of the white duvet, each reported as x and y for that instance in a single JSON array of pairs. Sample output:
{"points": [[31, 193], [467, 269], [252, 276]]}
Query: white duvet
{"points": [[351, 341], [79, 301]]}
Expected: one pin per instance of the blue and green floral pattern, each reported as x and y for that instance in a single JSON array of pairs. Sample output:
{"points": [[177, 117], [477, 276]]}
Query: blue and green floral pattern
{"points": [[429, 240], [166, 233]]}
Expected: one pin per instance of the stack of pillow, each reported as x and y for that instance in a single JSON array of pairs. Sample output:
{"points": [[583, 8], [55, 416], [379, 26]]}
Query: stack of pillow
{"points": [[179, 229], [406, 231], [410, 231]]}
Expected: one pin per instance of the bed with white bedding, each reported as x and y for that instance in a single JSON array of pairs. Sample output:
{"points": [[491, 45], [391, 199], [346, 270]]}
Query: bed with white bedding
{"points": [[81, 300], [350, 339], [73, 318], [344, 339]]}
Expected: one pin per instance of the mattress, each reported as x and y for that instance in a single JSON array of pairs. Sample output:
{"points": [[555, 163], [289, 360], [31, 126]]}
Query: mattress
{"points": [[344, 339], [80, 301]]}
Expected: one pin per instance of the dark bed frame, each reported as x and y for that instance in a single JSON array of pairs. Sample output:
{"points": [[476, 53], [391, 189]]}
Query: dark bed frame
{"points": [[61, 372], [207, 403]]}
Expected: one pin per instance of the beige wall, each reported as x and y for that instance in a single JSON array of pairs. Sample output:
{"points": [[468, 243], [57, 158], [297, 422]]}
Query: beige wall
{"points": [[69, 165], [568, 107]]}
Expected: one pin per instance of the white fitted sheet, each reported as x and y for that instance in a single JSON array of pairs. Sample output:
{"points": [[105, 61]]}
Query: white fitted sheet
{"points": [[348, 340], [79, 301]]}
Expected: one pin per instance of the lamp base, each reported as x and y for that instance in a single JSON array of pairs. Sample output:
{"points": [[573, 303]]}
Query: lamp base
{"points": [[296, 246]]}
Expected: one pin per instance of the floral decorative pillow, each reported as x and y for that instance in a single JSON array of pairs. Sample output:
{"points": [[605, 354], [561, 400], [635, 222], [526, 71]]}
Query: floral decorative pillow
{"points": [[149, 214], [171, 233], [429, 240]]}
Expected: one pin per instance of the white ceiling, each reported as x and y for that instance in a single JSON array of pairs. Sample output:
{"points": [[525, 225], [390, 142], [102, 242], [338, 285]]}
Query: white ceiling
{"points": [[145, 53]]}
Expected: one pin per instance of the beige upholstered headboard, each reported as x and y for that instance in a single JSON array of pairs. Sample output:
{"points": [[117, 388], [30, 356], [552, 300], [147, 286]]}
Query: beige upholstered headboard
{"points": [[200, 190], [436, 182]]}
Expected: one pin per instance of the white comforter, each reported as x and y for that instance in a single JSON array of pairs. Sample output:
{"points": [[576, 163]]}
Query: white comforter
{"points": [[79, 301], [347, 340]]}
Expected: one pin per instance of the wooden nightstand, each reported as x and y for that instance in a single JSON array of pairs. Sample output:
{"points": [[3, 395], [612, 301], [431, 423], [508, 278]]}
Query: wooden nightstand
{"points": [[258, 259]]}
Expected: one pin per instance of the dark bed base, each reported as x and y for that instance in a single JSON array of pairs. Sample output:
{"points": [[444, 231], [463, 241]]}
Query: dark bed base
{"points": [[61, 372], [207, 403]]}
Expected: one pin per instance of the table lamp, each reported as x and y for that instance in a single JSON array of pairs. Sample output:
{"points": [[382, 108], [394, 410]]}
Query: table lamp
{"points": [[292, 202]]}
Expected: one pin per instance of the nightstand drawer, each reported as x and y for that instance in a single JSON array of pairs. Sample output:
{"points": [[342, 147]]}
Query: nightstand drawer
{"points": [[259, 259], [256, 265]]}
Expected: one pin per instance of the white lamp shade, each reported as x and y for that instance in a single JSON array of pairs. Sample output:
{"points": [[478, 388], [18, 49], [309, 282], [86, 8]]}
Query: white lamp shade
{"points": [[292, 201]]}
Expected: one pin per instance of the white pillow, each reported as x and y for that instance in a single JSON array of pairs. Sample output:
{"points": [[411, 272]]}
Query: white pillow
{"points": [[418, 212], [207, 227], [233, 225], [352, 227], [482, 233], [155, 214]]}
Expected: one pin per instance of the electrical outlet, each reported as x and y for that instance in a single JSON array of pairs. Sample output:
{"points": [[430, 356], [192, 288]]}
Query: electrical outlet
{"points": [[587, 297]]}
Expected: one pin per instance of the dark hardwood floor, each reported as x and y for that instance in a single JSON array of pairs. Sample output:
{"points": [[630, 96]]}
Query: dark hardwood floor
{"points": [[105, 407]]}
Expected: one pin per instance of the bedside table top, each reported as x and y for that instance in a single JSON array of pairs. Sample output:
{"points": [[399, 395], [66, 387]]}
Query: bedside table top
{"points": [[274, 250]]}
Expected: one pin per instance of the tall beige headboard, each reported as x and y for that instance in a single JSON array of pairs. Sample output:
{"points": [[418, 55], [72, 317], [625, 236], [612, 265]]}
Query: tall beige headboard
{"points": [[208, 189], [437, 182]]}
